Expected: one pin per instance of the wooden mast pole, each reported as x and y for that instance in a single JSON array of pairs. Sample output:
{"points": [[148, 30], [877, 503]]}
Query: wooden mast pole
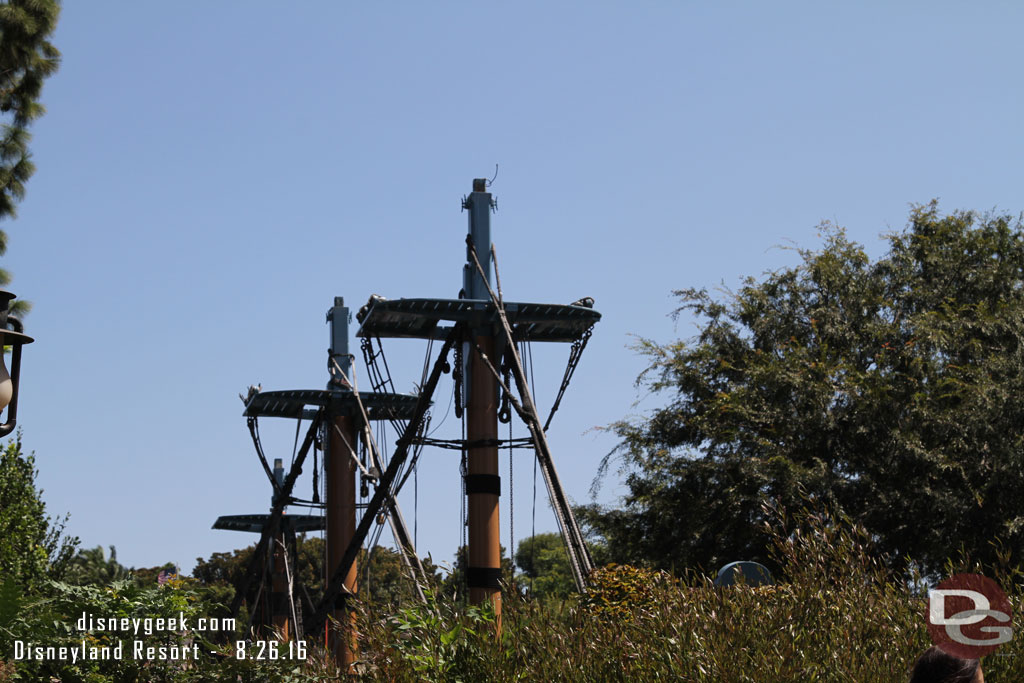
{"points": [[340, 483], [483, 483]]}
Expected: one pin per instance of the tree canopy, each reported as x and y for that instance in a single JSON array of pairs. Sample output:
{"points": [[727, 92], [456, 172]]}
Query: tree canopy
{"points": [[32, 545], [890, 389], [91, 566], [27, 58], [383, 580], [545, 566]]}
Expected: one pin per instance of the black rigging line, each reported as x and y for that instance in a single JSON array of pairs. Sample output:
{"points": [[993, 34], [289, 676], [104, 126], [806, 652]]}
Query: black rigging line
{"points": [[459, 444], [451, 399], [511, 504], [242, 588], [533, 527], [533, 513], [416, 505], [254, 432], [575, 353], [462, 478], [334, 585], [295, 446], [415, 458], [316, 473], [297, 502]]}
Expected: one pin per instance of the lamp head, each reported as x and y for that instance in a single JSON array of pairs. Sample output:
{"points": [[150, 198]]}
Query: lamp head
{"points": [[12, 334]]}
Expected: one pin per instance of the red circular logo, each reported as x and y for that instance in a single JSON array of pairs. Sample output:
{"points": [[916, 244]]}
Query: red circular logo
{"points": [[969, 616]]}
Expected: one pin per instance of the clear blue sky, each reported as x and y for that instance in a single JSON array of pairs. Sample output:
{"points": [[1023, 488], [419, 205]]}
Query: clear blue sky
{"points": [[211, 175]]}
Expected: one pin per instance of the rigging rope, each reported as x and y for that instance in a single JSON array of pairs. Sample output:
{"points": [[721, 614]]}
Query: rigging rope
{"points": [[511, 504], [533, 525], [457, 377], [419, 442], [416, 505], [451, 399], [505, 410], [574, 359], [459, 444], [462, 479], [306, 504], [533, 514], [391, 512], [426, 362], [321, 435], [316, 472], [295, 447], [380, 380], [296, 624], [576, 549], [254, 432]]}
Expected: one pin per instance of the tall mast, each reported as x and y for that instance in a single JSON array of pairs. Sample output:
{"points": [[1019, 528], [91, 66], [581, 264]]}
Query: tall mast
{"points": [[340, 476], [483, 484]]}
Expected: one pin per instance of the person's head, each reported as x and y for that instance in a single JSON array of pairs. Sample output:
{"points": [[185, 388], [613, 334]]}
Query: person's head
{"points": [[937, 666]]}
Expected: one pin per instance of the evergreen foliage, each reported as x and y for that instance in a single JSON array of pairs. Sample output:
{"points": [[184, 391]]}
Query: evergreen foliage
{"points": [[545, 566], [384, 581], [92, 566], [836, 615], [890, 389], [189, 653], [32, 545], [27, 59], [454, 585]]}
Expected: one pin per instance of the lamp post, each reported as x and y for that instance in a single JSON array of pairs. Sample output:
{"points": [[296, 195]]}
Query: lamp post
{"points": [[9, 380]]}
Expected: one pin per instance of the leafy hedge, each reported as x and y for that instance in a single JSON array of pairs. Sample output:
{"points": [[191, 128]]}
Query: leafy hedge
{"points": [[835, 614], [50, 619]]}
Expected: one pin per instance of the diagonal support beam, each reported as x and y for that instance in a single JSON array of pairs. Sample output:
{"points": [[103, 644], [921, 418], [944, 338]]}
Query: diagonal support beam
{"points": [[383, 491], [395, 519], [275, 516], [412, 561], [580, 561]]}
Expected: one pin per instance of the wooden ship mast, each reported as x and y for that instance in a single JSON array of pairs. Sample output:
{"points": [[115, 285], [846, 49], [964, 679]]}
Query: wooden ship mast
{"points": [[479, 334]]}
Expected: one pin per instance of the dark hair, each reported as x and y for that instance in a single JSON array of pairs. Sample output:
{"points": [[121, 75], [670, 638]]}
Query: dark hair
{"points": [[937, 666]]}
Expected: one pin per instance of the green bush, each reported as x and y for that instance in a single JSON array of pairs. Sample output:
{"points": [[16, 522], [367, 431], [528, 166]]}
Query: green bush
{"points": [[51, 620], [836, 614], [33, 547], [623, 591]]}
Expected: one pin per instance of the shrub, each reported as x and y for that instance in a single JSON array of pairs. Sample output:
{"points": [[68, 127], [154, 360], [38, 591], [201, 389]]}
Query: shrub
{"points": [[836, 614]]}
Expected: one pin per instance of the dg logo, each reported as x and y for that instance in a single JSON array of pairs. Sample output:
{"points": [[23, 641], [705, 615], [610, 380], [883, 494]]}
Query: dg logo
{"points": [[969, 616]]}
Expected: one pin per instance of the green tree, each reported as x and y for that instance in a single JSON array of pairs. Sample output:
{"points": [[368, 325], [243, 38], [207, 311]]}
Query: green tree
{"points": [[383, 581], [150, 576], [454, 586], [91, 566], [225, 568], [27, 58], [890, 389], [53, 623], [545, 566], [32, 546]]}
